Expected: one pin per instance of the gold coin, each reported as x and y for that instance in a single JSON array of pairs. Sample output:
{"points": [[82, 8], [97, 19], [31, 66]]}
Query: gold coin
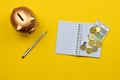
{"points": [[93, 30], [94, 49], [89, 50], [82, 47], [99, 43], [91, 43], [91, 36], [98, 29]]}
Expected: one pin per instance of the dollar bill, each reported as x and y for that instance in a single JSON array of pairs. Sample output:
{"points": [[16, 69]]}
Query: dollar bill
{"points": [[104, 30]]}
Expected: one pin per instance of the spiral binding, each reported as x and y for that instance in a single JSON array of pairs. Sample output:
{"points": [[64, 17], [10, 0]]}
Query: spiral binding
{"points": [[79, 39]]}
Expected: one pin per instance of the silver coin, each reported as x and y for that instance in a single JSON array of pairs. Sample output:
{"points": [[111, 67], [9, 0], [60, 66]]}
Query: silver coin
{"points": [[94, 49]]}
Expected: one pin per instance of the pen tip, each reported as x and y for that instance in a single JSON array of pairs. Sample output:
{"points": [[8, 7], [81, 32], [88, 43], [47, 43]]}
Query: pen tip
{"points": [[22, 57], [46, 31]]}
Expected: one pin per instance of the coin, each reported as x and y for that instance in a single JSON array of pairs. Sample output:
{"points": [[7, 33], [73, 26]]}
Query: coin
{"points": [[98, 43], [91, 36], [89, 50], [93, 30], [82, 47], [94, 49], [91, 43], [98, 29]]}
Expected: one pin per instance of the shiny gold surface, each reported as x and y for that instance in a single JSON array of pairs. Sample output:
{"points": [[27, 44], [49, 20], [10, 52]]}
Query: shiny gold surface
{"points": [[23, 19], [88, 50], [91, 43], [98, 29], [93, 30], [82, 47], [91, 36]]}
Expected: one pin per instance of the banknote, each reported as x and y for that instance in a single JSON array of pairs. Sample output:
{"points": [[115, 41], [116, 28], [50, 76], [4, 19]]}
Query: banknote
{"points": [[104, 30]]}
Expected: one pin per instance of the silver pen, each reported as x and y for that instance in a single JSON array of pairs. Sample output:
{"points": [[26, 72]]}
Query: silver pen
{"points": [[34, 44]]}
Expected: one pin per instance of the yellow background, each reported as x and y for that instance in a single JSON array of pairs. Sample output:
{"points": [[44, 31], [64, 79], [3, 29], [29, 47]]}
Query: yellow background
{"points": [[43, 63]]}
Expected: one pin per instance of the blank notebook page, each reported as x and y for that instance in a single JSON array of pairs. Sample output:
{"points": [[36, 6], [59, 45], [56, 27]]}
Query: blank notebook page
{"points": [[70, 36], [66, 38]]}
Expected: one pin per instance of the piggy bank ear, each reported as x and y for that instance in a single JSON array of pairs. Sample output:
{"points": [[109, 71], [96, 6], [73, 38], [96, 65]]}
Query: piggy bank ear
{"points": [[32, 19], [18, 28], [23, 19]]}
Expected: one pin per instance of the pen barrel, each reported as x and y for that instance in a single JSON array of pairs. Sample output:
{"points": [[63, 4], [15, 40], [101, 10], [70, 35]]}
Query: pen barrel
{"points": [[34, 44], [26, 52]]}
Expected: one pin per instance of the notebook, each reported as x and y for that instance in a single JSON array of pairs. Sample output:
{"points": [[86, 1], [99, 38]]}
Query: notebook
{"points": [[70, 36]]}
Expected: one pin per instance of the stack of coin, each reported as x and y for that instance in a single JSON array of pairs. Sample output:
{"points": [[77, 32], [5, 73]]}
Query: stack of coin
{"points": [[93, 42]]}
